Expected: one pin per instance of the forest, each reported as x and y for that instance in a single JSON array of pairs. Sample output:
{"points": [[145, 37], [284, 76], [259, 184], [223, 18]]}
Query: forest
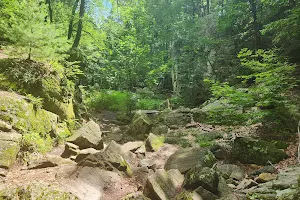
{"points": [[229, 66]]}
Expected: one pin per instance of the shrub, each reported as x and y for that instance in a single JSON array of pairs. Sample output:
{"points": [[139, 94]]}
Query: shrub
{"points": [[120, 101], [149, 104], [111, 100], [265, 88]]}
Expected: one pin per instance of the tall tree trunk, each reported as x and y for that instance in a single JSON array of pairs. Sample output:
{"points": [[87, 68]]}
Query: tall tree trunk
{"points": [[253, 5], [50, 10], [80, 24], [207, 6], [174, 70], [75, 5]]}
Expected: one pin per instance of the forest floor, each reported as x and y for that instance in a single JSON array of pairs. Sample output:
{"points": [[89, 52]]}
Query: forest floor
{"points": [[121, 186]]}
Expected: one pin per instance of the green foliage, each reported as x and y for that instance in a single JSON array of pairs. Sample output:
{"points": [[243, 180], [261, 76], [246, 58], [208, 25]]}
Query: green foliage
{"points": [[110, 100], [207, 139], [23, 23], [35, 142], [120, 101], [264, 96], [149, 104]]}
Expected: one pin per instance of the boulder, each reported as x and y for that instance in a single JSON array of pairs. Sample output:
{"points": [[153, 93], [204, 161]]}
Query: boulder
{"points": [[88, 136], [149, 163], [199, 115], [141, 175], [260, 152], [89, 182], [265, 177], [205, 194], [112, 158], [132, 146], [177, 118], [135, 196], [70, 150], [45, 161], [230, 171], [204, 177], [160, 130], [186, 159], [9, 148], [35, 191], [153, 142], [265, 169], [25, 117], [189, 195], [141, 150], [141, 125], [163, 185], [82, 154]]}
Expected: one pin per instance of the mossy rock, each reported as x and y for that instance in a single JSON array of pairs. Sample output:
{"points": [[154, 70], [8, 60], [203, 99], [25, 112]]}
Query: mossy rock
{"points": [[24, 116], [186, 159], [141, 125], [9, 148], [36, 191], [260, 152], [153, 142], [204, 177], [41, 80]]}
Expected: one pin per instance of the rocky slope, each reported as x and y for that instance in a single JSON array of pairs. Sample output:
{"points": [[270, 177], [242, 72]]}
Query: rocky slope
{"points": [[203, 161]]}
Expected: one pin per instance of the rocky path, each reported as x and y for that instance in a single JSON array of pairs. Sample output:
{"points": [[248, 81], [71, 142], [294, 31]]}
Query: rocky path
{"points": [[92, 166]]}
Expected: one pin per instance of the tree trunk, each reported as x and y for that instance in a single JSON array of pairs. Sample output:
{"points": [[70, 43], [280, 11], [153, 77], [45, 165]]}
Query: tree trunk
{"points": [[174, 70], [75, 5], [50, 10], [207, 6], [80, 24]]}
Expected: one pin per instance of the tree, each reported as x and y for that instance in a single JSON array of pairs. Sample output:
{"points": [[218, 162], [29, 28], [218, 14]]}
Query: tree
{"points": [[24, 26]]}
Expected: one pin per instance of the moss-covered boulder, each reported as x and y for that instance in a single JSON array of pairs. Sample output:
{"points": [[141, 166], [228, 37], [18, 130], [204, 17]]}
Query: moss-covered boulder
{"points": [[24, 116], [36, 191], [186, 159], [163, 185], [178, 118], [9, 148], [141, 125], [46, 81], [252, 151], [153, 142], [204, 177]]}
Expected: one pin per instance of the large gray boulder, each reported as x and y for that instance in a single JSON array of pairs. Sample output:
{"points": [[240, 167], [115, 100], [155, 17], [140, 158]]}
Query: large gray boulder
{"points": [[186, 159], [88, 136], [112, 158], [260, 152], [163, 185], [178, 118]]}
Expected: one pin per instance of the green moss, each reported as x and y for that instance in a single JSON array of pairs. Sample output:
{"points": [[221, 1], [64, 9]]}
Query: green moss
{"points": [[34, 142], [8, 154], [24, 116], [42, 81]]}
